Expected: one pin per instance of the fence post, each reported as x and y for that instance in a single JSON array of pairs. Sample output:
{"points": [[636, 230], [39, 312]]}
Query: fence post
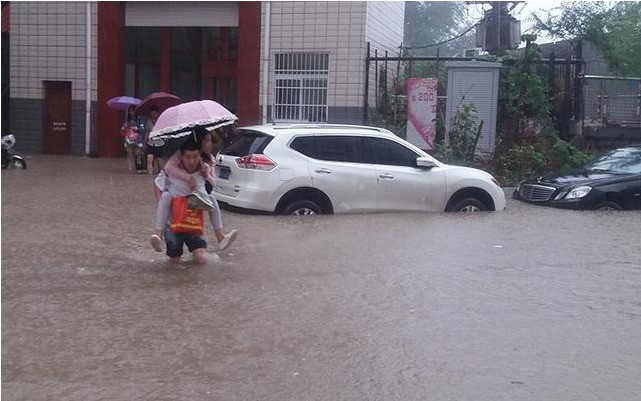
{"points": [[366, 95], [567, 101], [376, 85], [551, 78], [578, 90], [397, 84], [526, 72]]}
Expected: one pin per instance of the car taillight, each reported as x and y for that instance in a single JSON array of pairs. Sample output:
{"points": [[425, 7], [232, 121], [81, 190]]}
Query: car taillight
{"points": [[255, 162]]}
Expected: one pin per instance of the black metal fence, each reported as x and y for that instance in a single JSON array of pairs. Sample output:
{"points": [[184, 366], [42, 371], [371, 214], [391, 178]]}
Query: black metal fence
{"points": [[564, 86]]}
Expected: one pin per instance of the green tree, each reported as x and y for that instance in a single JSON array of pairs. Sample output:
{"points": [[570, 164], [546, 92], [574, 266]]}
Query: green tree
{"points": [[613, 28], [431, 22], [523, 90]]}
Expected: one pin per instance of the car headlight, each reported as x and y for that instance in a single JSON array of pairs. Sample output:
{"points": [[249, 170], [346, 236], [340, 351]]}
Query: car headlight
{"points": [[578, 192]]}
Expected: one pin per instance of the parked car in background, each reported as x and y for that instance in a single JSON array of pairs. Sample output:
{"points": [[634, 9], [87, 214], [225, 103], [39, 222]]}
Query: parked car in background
{"points": [[324, 169], [611, 181]]}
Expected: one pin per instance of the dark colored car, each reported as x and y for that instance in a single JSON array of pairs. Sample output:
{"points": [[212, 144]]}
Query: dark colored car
{"points": [[611, 181]]}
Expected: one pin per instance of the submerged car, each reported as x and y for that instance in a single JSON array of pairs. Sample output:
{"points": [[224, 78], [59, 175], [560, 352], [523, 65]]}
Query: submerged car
{"points": [[325, 169], [611, 181]]}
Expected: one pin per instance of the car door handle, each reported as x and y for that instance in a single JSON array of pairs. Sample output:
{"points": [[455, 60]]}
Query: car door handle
{"points": [[323, 171], [386, 176]]}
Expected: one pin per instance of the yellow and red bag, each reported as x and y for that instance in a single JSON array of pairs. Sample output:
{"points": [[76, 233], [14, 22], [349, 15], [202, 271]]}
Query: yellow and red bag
{"points": [[185, 220]]}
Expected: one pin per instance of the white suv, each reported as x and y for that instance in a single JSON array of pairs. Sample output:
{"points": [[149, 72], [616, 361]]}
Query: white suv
{"points": [[324, 169]]}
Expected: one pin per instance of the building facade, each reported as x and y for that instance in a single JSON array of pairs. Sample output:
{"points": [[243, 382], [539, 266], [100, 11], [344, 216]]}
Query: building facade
{"points": [[265, 61]]}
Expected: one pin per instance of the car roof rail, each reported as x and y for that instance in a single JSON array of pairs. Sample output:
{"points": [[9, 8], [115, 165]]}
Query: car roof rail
{"points": [[330, 126]]}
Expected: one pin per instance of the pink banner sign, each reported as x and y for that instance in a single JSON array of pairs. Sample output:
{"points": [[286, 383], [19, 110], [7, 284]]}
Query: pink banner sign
{"points": [[421, 112]]}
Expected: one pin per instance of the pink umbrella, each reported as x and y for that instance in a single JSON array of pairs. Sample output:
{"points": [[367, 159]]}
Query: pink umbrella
{"points": [[176, 123], [161, 100]]}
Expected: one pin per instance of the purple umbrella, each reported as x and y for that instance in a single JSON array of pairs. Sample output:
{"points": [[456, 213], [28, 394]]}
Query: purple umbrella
{"points": [[176, 123], [123, 102]]}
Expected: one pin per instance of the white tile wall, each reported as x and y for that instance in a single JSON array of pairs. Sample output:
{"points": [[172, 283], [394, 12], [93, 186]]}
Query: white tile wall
{"points": [[339, 28], [48, 43]]}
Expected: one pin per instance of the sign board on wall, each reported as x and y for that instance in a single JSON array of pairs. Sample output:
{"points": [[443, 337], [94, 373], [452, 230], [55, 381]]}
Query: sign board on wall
{"points": [[421, 112]]}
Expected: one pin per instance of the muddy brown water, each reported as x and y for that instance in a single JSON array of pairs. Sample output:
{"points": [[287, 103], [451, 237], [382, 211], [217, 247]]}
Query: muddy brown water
{"points": [[527, 304]]}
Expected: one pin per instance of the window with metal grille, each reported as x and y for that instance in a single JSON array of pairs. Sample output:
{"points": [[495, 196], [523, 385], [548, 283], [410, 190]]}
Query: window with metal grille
{"points": [[300, 87]]}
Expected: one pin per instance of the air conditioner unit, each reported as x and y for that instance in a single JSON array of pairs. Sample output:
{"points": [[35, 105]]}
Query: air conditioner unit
{"points": [[472, 52]]}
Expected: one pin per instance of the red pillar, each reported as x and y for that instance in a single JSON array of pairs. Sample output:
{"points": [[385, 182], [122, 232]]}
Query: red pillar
{"points": [[165, 60], [111, 76], [248, 66]]}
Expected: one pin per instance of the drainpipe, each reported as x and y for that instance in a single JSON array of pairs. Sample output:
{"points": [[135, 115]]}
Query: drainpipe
{"points": [[268, 14], [88, 85]]}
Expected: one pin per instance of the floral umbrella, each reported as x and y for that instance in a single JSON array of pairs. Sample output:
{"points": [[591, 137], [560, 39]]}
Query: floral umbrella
{"points": [[176, 123], [161, 100], [123, 102]]}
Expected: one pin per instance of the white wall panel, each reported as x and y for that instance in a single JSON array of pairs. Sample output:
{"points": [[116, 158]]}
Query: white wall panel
{"points": [[181, 13]]}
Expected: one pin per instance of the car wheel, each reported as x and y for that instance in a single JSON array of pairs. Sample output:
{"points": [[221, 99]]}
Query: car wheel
{"points": [[608, 206], [302, 207], [468, 205]]}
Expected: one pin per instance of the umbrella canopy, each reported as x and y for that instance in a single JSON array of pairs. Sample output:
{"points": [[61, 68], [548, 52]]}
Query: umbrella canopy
{"points": [[123, 102], [161, 100], [176, 123]]}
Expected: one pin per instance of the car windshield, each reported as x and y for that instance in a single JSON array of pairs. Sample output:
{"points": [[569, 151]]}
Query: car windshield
{"points": [[622, 160]]}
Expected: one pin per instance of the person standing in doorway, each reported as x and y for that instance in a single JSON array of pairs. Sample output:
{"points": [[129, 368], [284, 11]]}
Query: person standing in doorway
{"points": [[154, 156], [129, 132]]}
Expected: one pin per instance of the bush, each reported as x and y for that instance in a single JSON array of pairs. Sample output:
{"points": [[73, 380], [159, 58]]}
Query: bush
{"points": [[549, 154], [464, 136]]}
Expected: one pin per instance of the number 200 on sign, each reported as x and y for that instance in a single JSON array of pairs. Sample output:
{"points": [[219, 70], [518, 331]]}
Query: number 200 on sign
{"points": [[426, 96]]}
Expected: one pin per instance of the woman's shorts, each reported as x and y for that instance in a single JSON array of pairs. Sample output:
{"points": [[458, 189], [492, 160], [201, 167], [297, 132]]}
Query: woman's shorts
{"points": [[154, 150]]}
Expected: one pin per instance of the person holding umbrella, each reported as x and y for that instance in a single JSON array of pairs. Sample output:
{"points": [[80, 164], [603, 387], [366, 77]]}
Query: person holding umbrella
{"points": [[201, 187], [186, 225], [176, 125], [130, 131], [152, 106]]}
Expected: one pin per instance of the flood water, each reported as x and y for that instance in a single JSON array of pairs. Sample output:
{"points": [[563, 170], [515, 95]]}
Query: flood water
{"points": [[530, 303]]}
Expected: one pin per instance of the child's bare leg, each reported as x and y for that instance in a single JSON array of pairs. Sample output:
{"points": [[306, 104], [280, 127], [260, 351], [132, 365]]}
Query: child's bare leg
{"points": [[150, 164], [162, 216], [216, 219], [163, 211]]}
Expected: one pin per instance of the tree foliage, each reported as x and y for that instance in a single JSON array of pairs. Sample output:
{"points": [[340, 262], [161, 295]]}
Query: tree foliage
{"points": [[431, 22], [613, 28], [523, 89]]}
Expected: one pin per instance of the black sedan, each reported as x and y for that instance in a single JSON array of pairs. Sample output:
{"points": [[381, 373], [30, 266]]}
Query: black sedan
{"points": [[611, 181]]}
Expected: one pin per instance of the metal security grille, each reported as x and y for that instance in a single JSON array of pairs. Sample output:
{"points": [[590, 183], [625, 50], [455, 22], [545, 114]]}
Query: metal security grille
{"points": [[300, 87], [613, 101]]}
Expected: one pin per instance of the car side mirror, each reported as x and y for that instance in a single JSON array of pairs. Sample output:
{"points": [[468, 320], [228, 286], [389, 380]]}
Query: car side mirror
{"points": [[424, 162]]}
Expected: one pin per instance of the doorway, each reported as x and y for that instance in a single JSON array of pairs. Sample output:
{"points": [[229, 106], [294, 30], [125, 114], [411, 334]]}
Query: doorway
{"points": [[57, 132]]}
